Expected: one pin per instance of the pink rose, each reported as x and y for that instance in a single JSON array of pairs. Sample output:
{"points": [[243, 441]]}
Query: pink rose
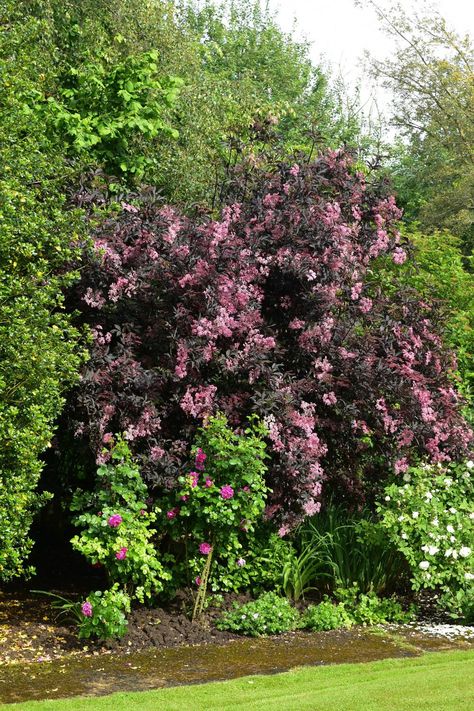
{"points": [[227, 492], [86, 609], [205, 548], [208, 483], [115, 520], [121, 554], [172, 513]]}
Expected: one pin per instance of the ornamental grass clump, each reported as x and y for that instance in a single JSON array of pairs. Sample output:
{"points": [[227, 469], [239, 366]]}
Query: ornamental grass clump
{"points": [[116, 525], [273, 308]]}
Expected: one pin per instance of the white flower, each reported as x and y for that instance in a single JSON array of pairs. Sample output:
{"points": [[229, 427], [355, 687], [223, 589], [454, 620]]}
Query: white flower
{"points": [[449, 553], [471, 515], [255, 615], [455, 554], [415, 514], [406, 477], [404, 536], [470, 464], [424, 565], [468, 576], [387, 498], [428, 496], [452, 538], [453, 510], [450, 529], [465, 552], [432, 550], [435, 522], [448, 481], [401, 518]]}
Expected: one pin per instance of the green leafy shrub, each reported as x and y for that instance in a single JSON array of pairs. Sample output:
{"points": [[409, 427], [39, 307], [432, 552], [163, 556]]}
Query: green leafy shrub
{"points": [[370, 609], [354, 608], [39, 349], [269, 614], [104, 614], [105, 111], [430, 519], [325, 616], [116, 525], [217, 506]]}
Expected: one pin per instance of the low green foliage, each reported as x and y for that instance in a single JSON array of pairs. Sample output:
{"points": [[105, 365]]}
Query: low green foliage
{"points": [[430, 519], [300, 571], [108, 614], [269, 614], [325, 616], [116, 525], [354, 608]]}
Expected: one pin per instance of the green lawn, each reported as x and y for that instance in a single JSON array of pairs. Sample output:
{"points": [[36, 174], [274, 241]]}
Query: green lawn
{"points": [[441, 681]]}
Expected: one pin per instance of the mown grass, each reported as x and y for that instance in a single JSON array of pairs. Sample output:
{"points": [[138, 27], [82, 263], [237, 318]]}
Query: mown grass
{"points": [[441, 681]]}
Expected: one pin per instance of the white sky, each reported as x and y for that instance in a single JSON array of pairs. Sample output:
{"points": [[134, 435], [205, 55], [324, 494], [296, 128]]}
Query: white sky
{"points": [[341, 32]]}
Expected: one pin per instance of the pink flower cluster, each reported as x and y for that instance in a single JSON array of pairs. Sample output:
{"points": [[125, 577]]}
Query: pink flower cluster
{"points": [[268, 309]]}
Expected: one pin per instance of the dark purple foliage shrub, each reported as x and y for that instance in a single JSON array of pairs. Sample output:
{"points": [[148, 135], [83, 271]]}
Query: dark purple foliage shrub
{"points": [[270, 310]]}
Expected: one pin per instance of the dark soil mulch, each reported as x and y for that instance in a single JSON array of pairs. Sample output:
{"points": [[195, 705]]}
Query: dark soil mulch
{"points": [[29, 631]]}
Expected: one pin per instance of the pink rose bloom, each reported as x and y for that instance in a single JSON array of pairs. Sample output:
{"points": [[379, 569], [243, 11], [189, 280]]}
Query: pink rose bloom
{"points": [[200, 459], [241, 562], [227, 492], [172, 513], [115, 520], [246, 488], [184, 497], [142, 512], [208, 483], [194, 479], [108, 437], [205, 548], [198, 581], [121, 554], [86, 609]]}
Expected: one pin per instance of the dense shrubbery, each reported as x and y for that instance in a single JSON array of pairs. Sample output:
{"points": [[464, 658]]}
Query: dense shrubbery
{"points": [[270, 310], [269, 614], [39, 355], [430, 518]]}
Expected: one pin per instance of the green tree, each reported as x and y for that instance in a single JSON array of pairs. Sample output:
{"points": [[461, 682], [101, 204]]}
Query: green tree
{"points": [[431, 76]]}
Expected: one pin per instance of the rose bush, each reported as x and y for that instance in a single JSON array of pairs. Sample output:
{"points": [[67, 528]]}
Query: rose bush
{"points": [[116, 525]]}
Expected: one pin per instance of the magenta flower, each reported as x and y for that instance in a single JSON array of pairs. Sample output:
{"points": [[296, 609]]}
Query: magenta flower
{"points": [[246, 488], [198, 581], [172, 513], [208, 483], [241, 562], [184, 497], [121, 554], [227, 492], [200, 459], [205, 548], [115, 520], [194, 479], [108, 437], [142, 512], [86, 609]]}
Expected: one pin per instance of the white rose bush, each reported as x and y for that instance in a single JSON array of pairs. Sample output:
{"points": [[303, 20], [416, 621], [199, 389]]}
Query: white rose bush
{"points": [[430, 519]]}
